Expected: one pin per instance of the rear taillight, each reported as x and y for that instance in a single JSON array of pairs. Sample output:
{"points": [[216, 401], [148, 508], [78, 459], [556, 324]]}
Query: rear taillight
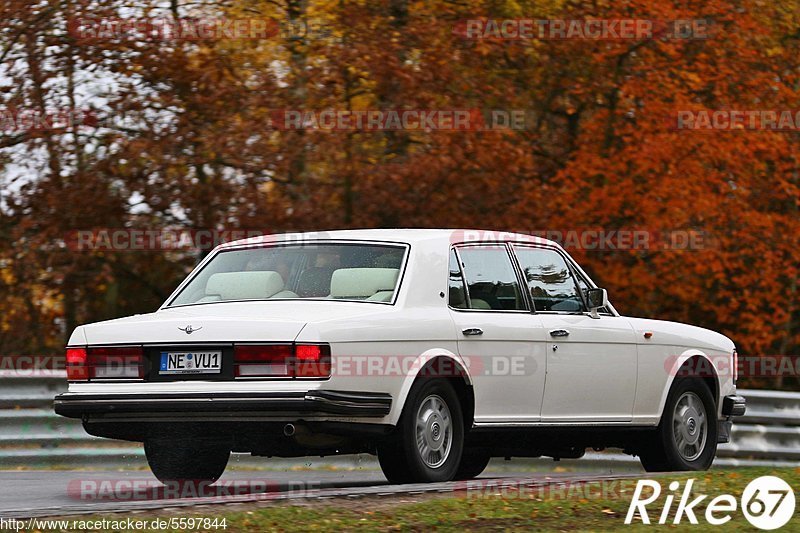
{"points": [[105, 363], [282, 360], [735, 366], [116, 363], [268, 360], [76, 364], [312, 361]]}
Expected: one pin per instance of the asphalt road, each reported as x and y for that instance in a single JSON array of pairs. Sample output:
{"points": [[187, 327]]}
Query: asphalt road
{"points": [[33, 493]]}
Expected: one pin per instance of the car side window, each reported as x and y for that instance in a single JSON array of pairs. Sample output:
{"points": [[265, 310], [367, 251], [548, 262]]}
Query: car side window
{"points": [[491, 281], [457, 293], [550, 281]]}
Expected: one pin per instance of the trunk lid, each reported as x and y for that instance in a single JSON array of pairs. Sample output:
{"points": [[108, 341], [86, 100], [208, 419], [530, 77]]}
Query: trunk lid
{"points": [[255, 321]]}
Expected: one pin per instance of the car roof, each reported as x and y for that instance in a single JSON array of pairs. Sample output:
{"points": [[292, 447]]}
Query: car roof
{"points": [[403, 235]]}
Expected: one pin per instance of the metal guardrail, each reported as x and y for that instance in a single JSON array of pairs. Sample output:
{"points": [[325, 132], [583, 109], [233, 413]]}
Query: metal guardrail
{"points": [[770, 429], [32, 434]]}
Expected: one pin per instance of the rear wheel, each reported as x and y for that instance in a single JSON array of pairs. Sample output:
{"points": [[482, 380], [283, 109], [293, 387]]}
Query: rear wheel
{"points": [[472, 464], [686, 438], [429, 438], [182, 460]]}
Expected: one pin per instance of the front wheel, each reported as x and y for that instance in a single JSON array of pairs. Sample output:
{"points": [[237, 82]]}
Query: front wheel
{"points": [[186, 460], [429, 439], [686, 438]]}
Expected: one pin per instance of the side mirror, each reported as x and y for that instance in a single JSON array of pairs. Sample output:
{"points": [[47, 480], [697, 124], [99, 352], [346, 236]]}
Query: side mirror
{"points": [[596, 299]]}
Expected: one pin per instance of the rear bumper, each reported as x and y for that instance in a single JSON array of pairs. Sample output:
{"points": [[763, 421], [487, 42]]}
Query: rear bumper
{"points": [[343, 403]]}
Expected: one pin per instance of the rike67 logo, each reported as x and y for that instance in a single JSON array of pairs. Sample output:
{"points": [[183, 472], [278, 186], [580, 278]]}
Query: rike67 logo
{"points": [[767, 503]]}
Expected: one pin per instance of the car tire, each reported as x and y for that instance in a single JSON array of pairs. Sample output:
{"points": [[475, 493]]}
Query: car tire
{"points": [[472, 465], [686, 437], [393, 465], [429, 438], [186, 460]]}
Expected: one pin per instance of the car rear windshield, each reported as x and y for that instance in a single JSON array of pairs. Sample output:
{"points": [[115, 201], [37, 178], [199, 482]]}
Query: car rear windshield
{"points": [[342, 271]]}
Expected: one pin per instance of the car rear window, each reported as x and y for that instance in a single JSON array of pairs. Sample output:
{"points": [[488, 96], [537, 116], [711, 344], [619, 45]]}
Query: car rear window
{"points": [[342, 271]]}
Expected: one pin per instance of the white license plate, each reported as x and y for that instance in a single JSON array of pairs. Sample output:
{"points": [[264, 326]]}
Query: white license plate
{"points": [[191, 363]]}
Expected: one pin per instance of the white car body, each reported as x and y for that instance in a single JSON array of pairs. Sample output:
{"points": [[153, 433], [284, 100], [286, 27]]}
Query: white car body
{"points": [[610, 371]]}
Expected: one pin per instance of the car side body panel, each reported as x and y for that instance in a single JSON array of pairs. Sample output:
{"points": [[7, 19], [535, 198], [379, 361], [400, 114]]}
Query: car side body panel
{"points": [[592, 372], [662, 355]]}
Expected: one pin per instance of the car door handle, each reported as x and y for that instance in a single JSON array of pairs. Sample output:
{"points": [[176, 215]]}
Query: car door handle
{"points": [[472, 331], [559, 333]]}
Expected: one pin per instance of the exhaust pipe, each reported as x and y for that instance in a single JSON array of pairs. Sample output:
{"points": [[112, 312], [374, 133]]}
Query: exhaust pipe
{"points": [[288, 430]]}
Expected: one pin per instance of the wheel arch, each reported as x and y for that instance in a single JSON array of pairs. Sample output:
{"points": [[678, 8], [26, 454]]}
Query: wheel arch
{"points": [[692, 363], [440, 365]]}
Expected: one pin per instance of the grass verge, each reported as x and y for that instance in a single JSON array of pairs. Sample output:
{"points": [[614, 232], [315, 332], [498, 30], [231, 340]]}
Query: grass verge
{"points": [[489, 505]]}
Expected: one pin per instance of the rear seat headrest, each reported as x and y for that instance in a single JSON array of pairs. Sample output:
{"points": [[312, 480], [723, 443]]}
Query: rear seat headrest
{"points": [[362, 282], [244, 285]]}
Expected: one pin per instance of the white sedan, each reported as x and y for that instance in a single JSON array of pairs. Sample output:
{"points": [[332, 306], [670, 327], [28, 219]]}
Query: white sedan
{"points": [[434, 349]]}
